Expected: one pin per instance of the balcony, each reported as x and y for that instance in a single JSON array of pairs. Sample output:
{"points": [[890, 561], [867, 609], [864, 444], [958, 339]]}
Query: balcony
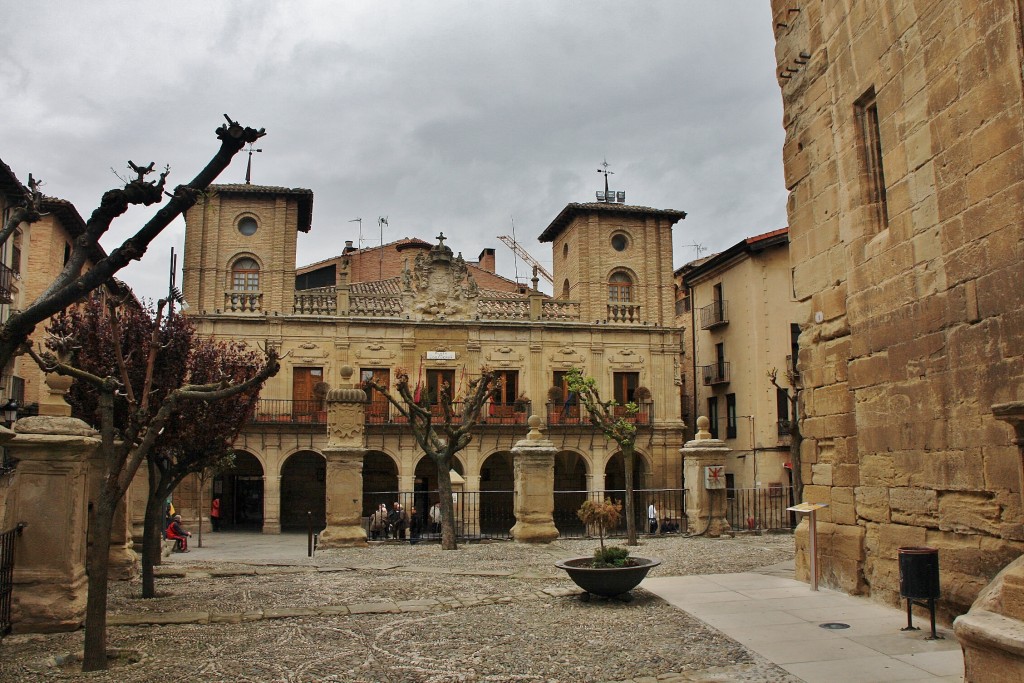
{"points": [[715, 374], [281, 411], [714, 315], [6, 284], [562, 414], [624, 313], [243, 302]]}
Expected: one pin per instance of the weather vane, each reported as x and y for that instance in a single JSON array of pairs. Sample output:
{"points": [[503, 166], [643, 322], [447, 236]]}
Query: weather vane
{"points": [[606, 173], [248, 166]]}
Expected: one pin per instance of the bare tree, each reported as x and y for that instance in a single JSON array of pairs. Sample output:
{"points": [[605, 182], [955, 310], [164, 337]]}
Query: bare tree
{"points": [[73, 282], [443, 438], [618, 423], [795, 437], [148, 413]]}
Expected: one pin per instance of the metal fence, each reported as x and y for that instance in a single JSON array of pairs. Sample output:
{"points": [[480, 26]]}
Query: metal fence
{"points": [[7, 576], [762, 509], [669, 512], [478, 514]]}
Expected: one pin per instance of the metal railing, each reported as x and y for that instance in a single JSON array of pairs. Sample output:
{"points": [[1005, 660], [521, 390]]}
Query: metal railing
{"points": [[282, 411], [7, 575], [715, 374], [575, 414], [760, 509], [669, 511], [478, 515], [6, 284], [714, 314]]}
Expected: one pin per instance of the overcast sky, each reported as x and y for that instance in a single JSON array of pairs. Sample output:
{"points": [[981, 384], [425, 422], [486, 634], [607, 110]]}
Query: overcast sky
{"points": [[459, 117]]}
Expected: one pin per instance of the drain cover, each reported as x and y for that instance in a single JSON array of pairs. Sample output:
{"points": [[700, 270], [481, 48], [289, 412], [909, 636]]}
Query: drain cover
{"points": [[833, 625]]}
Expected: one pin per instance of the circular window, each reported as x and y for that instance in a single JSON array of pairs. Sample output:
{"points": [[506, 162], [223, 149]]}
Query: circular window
{"points": [[247, 226], [565, 250], [619, 242]]}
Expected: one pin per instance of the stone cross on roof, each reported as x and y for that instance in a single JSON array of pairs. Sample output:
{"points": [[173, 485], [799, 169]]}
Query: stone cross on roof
{"points": [[440, 239]]}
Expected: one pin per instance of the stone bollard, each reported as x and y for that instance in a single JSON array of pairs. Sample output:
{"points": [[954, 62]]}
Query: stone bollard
{"points": [[50, 494], [703, 503], [534, 465], [345, 452]]}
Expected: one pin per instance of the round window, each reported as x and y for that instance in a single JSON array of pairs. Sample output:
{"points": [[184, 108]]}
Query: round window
{"points": [[619, 242], [247, 226]]}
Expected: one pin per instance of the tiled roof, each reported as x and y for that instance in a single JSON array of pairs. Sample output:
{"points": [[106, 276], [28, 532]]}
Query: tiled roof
{"points": [[390, 287], [750, 245], [9, 183], [563, 219], [303, 195]]}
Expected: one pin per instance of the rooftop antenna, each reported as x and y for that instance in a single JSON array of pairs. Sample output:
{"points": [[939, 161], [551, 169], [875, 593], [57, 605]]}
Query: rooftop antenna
{"points": [[248, 165], [381, 222], [360, 222], [697, 247], [515, 260], [174, 294]]}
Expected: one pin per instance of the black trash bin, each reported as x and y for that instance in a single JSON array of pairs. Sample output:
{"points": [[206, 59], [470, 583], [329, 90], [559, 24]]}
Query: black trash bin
{"points": [[919, 580], [919, 572]]}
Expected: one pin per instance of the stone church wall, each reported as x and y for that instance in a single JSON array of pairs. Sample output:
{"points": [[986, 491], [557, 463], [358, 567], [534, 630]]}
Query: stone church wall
{"points": [[917, 303]]}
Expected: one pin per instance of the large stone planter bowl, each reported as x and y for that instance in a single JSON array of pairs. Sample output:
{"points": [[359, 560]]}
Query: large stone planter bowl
{"points": [[607, 581]]}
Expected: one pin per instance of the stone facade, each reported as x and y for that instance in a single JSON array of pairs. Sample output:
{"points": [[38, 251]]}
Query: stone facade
{"points": [[903, 158], [438, 317]]}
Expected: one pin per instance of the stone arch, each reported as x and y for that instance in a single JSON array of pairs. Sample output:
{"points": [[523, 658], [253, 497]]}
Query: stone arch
{"points": [[241, 492], [497, 493], [571, 470], [615, 482], [380, 479], [303, 489]]}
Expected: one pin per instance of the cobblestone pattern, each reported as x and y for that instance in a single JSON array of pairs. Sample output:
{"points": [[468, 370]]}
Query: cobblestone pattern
{"points": [[485, 613]]}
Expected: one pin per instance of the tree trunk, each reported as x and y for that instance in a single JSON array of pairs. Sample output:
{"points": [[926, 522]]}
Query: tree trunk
{"points": [[795, 439], [444, 490], [97, 562], [151, 543], [202, 505], [628, 458]]}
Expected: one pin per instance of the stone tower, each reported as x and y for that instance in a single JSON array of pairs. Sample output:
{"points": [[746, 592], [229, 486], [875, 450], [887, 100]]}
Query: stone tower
{"points": [[240, 248], [616, 260]]}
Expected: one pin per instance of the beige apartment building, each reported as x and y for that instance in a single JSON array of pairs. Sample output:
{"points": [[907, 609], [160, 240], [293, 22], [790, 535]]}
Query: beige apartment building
{"points": [[739, 315], [418, 305], [903, 157]]}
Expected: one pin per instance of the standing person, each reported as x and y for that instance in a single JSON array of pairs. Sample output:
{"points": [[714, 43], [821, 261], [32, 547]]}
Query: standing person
{"points": [[652, 517], [415, 526], [399, 520], [178, 535], [215, 513], [379, 522], [435, 517]]}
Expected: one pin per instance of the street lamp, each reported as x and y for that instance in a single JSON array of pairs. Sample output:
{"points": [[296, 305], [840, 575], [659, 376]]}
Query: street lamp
{"points": [[10, 411]]}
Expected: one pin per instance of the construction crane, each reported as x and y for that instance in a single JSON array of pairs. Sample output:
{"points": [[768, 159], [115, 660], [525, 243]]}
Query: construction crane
{"points": [[511, 243]]}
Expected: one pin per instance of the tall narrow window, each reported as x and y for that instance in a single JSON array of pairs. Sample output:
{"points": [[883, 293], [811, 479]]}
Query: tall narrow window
{"points": [[871, 150], [625, 387], [713, 416], [718, 298], [620, 288], [509, 390], [245, 275], [720, 361], [730, 416]]}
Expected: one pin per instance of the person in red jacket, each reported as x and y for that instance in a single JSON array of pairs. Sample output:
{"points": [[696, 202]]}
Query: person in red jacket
{"points": [[178, 535], [215, 514]]}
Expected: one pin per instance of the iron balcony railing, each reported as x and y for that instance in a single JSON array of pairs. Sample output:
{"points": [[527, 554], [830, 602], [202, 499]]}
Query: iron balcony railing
{"points": [[714, 314], [282, 411], [6, 284], [715, 374], [563, 413]]}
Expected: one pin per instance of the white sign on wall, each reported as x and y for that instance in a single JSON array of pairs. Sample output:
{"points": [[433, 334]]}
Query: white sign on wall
{"points": [[714, 477], [440, 355]]}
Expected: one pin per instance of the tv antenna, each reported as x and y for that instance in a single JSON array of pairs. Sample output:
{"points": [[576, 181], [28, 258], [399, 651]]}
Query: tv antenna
{"points": [[381, 222], [360, 222], [697, 248], [248, 165]]}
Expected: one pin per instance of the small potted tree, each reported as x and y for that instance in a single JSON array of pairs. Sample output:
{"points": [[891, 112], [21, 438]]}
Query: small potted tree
{"points": [[611, 571]]}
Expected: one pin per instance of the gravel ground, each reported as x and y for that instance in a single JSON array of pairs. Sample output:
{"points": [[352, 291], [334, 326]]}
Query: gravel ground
{"points": [[489, 612]]}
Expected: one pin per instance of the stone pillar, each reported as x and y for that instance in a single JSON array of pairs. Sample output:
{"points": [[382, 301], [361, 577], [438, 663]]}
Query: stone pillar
{"points": [[992, 632], [345, 452], [50, 495], [534, 465], [704, 506], [271, 503]]}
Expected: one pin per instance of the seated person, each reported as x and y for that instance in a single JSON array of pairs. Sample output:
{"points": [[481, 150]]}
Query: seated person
{"points": [[178, 535]]}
